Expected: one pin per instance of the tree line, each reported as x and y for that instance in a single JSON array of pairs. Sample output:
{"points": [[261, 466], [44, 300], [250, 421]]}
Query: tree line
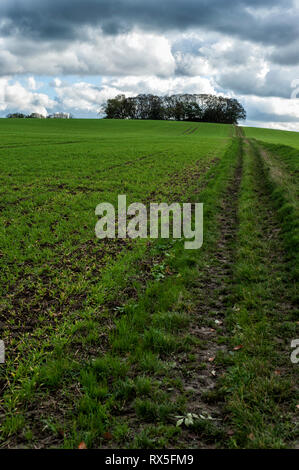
{"points": [[184, 107], [39, 116]]}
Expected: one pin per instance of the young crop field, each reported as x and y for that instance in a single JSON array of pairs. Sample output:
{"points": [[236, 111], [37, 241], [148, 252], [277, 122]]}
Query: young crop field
{"points": [[273, 136], [140, 343]]}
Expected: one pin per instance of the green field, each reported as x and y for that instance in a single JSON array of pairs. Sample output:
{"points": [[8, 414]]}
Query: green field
{"points": [[273, 136], [113, 343]]}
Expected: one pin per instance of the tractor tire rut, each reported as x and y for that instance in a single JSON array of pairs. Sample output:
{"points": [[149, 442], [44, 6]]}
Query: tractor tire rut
{"points": [[212, 290]]}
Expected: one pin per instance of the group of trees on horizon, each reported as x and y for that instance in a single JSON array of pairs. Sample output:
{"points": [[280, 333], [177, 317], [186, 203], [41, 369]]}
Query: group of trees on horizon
{"points": [[16, 116], [38, 116], [183, 107]]}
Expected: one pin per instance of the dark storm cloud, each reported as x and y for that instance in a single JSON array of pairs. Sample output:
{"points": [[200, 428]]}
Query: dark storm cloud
{"points": [[276, 83], [288, 55], [52, 19]]}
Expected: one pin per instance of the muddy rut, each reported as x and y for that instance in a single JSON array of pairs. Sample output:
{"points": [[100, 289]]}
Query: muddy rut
{"points": [[212, 290]]}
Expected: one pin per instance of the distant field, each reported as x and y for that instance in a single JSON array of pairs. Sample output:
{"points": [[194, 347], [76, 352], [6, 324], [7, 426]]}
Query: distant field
{"points": [[109, 342], [273, 136]]}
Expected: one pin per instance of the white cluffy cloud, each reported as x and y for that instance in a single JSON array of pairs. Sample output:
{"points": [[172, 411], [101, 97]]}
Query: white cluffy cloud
{"points": [[275, 113], [33, 84], [82, 96], [134, 53], [15, 97]]}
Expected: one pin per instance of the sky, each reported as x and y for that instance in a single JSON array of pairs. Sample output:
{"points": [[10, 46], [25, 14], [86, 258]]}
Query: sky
{"points": [[72, 55]]}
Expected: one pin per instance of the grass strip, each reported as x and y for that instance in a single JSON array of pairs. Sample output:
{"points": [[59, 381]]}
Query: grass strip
{"points": [[260, 384]]}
